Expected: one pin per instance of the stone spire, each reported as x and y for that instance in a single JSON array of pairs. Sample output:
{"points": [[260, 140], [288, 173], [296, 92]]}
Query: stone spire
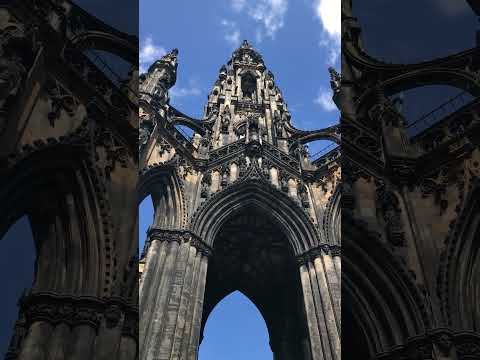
{"points": [[154, 99], [245, 103]]}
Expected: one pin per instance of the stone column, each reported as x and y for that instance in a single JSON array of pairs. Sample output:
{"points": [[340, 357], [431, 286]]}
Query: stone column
{"points": [[321, 293], [171, 295]]}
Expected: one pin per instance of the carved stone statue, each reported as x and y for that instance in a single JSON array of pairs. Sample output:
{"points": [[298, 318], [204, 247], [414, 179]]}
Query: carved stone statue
{"points": [[144, 132], [253, 128], [206, 182], [303, 194], [242, 166], [225, 120], [335, 79], [283, 181], [11, 74], [389, 207], [212, 116]]}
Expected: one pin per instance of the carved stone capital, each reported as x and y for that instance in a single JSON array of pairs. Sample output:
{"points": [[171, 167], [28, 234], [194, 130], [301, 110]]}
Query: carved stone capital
{"points": [[179, 236], [75, 310], [313, 253]]}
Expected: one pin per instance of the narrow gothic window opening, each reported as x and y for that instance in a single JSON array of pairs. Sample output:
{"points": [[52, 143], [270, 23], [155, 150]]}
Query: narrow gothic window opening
{"points": [[17, 254]]}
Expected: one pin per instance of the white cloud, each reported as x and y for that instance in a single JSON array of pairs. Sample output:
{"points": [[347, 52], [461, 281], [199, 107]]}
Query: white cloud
{"points": [[324, 99], [268, 14], [179, 92], [238, 5], [232, 33], [329, 14], [271, 14], [149, 52]]}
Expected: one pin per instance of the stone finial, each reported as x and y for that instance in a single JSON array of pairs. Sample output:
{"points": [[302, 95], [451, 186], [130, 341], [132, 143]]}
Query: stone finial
{"points": [[335, 79], [171, 58]]}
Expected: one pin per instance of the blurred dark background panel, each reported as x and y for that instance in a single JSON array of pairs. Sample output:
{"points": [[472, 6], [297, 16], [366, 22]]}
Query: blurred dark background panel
{"points": [[58, 119], [410, 174]]}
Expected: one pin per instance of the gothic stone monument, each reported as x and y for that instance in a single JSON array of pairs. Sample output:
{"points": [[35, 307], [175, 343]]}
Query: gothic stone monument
{"points": [[239, 206]]}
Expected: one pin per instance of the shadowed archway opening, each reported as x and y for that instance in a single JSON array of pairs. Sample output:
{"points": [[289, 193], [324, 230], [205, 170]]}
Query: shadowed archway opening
{"points": [[145, 219], [17, 269], [252, 255], [235, 330]]}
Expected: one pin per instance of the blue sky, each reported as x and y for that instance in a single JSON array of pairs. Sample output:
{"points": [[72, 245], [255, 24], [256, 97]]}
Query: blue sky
{"points": [[298, 41]]}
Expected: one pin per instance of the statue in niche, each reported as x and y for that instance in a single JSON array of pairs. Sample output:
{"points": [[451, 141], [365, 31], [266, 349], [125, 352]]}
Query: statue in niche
{"points": [[205, 141], [225, 122], [225, 173], [279, 123], [303, 194], [284, 181], [253, 128], [266, 170], [249, 85], [241, 131], [242, 166], [212, 117], [388, 206], [206, 182], [145, 130], [12, 73]]}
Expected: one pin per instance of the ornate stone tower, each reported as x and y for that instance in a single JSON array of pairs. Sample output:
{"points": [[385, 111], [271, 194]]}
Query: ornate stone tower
{"points": [[239, 206]]}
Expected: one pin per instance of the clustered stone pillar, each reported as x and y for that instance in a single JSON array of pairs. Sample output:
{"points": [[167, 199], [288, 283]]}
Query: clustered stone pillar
{"points": [[172, 289], [320, 277], [53, 326]]}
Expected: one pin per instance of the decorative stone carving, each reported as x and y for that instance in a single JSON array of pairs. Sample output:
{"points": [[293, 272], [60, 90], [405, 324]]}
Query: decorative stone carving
{"points": [[389, 208], [335, 80], [225, 122], [303, 194], [206, 183], [224, 173]]}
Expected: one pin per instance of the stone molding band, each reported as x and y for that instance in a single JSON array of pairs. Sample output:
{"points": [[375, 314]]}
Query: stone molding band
{"points": [[179, 236], [313, 253], [73, 311], [466, 345]]}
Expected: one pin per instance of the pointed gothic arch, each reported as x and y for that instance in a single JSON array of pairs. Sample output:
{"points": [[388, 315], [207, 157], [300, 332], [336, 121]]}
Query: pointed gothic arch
{"points": [[459, 276], [212, 214], [379, 291], [60, 199], [251, 254], [166, 189]]}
